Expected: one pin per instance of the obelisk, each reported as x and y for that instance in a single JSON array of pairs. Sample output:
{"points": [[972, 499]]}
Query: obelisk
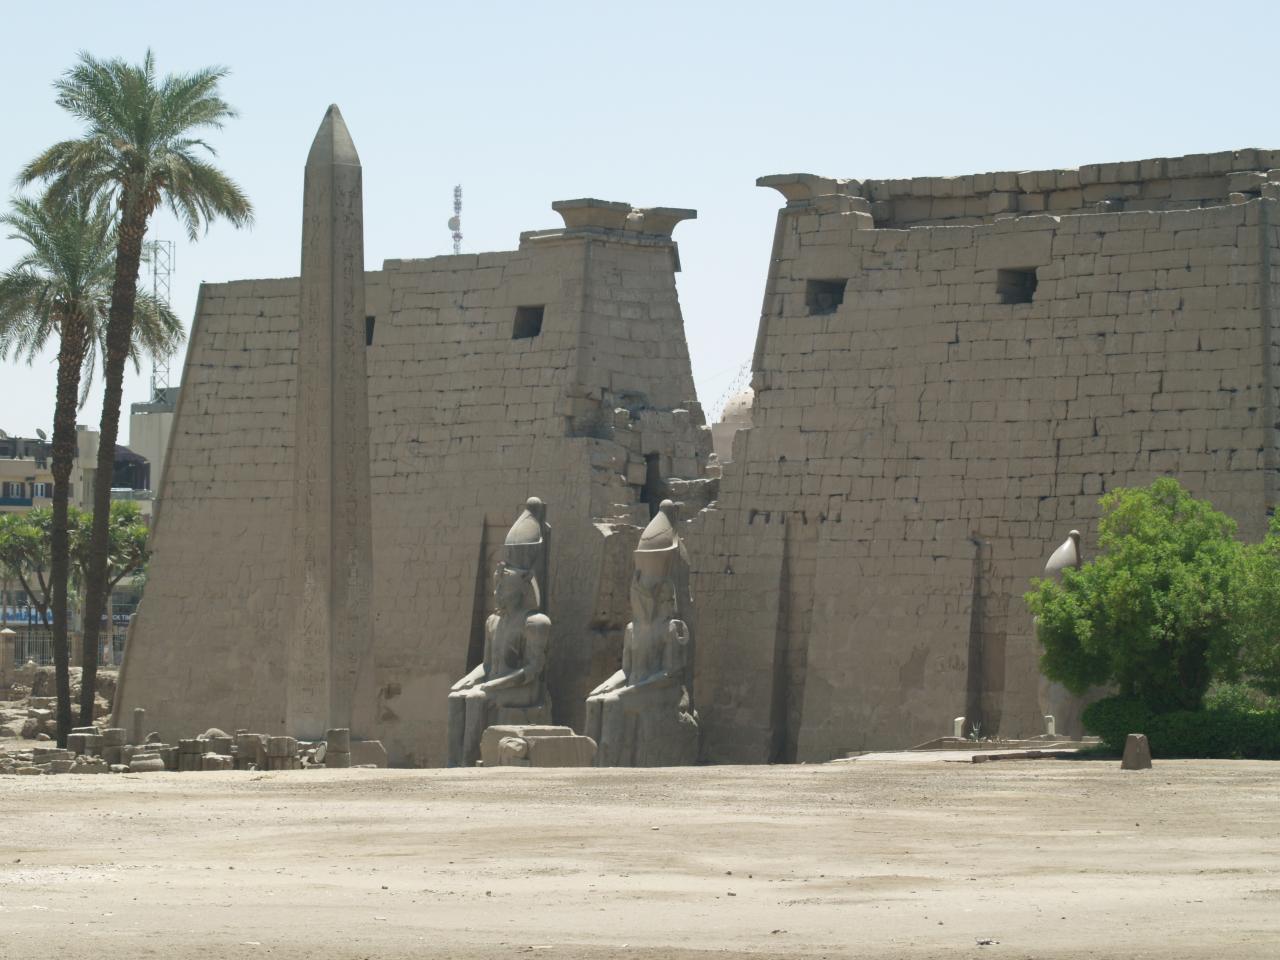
{"points": [[332, 550]]}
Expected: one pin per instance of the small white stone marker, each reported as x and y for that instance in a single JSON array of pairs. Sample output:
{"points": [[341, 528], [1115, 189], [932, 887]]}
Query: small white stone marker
{"points": [[957, 727], [1050, 727]]}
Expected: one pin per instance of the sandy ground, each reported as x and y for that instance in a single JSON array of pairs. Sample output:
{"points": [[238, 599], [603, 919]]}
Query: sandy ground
{"points": [[871, 858]]}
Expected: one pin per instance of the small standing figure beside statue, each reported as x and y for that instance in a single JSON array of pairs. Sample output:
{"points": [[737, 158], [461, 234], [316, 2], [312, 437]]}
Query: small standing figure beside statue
{"points": [[509, 685], [643, 715]]}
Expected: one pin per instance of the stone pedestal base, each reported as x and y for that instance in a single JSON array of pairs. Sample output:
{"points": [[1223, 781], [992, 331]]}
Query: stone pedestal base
{"points": [[646, 735], [368, 753], [511, 745]]}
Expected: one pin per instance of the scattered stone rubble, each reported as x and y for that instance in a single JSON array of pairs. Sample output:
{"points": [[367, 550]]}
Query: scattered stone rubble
{"points": [[30, 711], [113, 750]]}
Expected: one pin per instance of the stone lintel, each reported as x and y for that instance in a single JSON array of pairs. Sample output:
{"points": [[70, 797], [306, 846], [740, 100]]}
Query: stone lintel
{"points": [[797, 187], [578, 234], [590, 212]]}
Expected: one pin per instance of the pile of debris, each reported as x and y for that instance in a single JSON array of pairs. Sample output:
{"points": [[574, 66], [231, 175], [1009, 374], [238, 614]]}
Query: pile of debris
{"points": [[111, 749], [40, 760], [31, 710]]}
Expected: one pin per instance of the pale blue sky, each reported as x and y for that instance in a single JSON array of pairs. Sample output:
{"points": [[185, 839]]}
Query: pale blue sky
{"points": [[673, 104]]}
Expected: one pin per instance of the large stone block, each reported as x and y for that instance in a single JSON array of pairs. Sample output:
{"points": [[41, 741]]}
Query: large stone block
{"points": [[1020, 249], [535, 746], [1137, 753]]}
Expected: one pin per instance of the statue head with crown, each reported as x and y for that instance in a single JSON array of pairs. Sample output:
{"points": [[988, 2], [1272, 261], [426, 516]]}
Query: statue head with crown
{"points": [[518, 578]]}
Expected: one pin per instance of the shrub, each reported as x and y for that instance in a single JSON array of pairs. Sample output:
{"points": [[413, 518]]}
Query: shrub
{"points": [[1241, 697], [1225, 731], [1259, 621], [1114, 718], [1153, 614]]}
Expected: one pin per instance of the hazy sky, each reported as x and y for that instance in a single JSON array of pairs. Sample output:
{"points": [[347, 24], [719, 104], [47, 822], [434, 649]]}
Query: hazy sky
{"points": [[659, 104]]}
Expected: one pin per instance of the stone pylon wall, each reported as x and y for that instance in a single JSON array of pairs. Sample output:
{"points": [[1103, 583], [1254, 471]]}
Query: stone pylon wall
{"points": [[941, 392], [466, 421], [919, 449], [207, 647]]}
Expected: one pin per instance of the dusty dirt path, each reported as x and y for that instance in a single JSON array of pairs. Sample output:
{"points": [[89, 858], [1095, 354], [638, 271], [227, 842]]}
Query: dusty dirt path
{"points": [[1051, 859]]}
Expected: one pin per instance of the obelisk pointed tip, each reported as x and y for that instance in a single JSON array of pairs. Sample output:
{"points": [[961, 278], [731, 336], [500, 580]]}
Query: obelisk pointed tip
{"points": [[333, 143]]}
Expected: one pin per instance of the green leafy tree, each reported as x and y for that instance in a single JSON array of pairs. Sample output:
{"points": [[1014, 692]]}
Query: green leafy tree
{"points": [[1260, 613], [127, 535], [1154, 613], [24, 555], [128, 553], [26, 549], [141, 148], [61, 286]]}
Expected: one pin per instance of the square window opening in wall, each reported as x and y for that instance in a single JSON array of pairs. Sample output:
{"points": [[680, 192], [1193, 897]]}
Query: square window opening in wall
{"points": [[823, 296], [1016, 285], [528, 323]]}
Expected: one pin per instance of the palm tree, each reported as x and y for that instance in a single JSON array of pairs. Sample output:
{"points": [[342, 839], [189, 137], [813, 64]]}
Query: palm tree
{"points": [[139, 150], [62, 286]]}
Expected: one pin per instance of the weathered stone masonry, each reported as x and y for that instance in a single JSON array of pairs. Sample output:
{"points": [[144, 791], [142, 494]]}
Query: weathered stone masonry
{"points": [[948, 372], [558, 369], [946, 379]]}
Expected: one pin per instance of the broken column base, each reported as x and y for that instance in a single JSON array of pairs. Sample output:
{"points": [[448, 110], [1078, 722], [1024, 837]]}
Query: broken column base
{"points": [[535, 746]]}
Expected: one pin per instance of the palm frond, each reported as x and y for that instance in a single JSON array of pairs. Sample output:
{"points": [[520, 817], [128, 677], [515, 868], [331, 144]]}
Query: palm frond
{"points": [[141, 147], [157, 329], [72, 165], [64, 275], [190, 101], [138, 145], [199, 193], [25, 321]]}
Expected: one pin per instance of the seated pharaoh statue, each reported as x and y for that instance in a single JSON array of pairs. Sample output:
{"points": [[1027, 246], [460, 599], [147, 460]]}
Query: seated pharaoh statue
{"points": [[509, 685], [643, 715]]}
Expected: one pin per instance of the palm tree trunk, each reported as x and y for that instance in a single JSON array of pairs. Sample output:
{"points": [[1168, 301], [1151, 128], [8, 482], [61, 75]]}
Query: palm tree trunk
{"points": [[71, 350], [124, 294]]}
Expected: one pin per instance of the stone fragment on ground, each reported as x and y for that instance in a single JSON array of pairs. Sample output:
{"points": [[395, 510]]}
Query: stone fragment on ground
{"points": [[531, 745], [1137, 753]]}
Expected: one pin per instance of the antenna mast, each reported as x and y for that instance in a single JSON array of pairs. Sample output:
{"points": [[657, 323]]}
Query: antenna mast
{"points": [[162, 257], [455, 222]]}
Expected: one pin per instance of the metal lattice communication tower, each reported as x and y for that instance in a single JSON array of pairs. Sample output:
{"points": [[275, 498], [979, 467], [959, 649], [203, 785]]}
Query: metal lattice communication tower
{"points": [[455, 222], [161, 255]]}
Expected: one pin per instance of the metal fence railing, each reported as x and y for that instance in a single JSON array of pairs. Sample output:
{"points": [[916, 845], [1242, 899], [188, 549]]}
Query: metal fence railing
{"points": [[34, 645], [37, 646]]}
